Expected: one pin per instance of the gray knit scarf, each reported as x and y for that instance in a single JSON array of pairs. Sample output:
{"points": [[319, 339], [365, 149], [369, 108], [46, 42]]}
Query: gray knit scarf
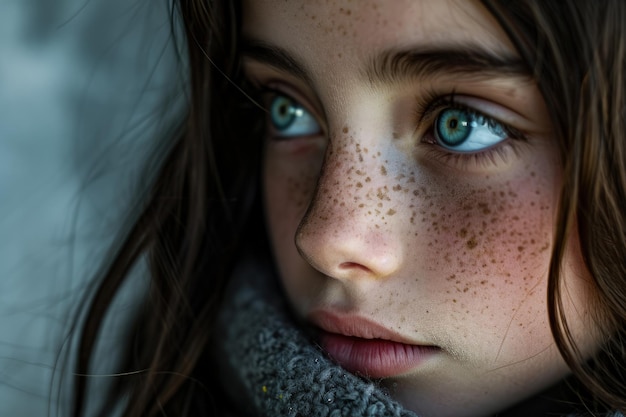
{"points": [[271, 369]]}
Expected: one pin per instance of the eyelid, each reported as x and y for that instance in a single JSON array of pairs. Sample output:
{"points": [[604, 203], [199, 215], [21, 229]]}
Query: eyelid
{"points": [[430, 105], [282, 88], [273, 90]]}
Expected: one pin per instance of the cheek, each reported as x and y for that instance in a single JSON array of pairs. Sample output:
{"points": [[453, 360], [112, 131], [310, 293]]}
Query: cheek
{"points": [[488, 246], [496, 232]]}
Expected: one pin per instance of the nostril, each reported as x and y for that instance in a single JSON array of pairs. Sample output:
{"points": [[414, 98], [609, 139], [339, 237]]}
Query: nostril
{"points": [[354, 265]]}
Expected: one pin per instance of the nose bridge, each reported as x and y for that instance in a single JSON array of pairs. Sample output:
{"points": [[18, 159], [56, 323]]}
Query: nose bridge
{"points": [[349, 227]]}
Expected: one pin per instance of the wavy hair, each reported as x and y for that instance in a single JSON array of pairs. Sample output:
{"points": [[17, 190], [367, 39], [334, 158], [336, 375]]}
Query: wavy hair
{"points": [[577, 52]]}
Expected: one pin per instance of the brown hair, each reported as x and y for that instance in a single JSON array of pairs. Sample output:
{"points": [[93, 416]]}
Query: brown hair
{"points": [[200, 207], [577, 52], [189, 228]]}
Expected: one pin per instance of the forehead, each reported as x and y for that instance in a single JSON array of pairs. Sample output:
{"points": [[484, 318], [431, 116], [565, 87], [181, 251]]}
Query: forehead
{"points": [[357, 30]]}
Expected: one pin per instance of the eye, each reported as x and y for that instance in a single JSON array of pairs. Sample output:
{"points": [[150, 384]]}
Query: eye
{"points": [[290, 119], [463, 130]]}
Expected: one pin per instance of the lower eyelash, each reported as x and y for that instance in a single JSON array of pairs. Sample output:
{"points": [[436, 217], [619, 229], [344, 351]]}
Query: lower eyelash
{"points": [[431, 104], [494, 156]]}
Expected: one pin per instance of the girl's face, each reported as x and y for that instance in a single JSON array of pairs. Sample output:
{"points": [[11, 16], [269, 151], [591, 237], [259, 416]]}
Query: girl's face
{"points": [[411, 186]]}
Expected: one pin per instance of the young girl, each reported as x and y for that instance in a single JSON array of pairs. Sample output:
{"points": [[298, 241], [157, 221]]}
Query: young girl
{"points": [[386, 208]]}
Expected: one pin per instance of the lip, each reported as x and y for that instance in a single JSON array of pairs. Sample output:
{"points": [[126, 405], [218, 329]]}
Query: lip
{"points": [[367, 348]]}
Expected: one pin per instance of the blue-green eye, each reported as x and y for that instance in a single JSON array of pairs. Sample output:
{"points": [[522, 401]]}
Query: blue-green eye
{"points": [[462, 130], [290, 119]]}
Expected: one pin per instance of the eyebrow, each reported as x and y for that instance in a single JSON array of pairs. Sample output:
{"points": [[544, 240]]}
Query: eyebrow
{"points": [[394, 66], [276, 57]]}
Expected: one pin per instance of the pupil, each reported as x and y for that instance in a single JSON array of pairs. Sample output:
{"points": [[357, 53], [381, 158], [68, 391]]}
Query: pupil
{"points": [[453, 123]]}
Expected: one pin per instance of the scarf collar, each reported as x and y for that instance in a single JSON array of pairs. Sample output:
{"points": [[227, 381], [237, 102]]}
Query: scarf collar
{"points": [[270, 368]]}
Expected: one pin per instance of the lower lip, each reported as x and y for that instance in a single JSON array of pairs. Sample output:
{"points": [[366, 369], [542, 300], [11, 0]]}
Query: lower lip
{"points": [[375, 358]]}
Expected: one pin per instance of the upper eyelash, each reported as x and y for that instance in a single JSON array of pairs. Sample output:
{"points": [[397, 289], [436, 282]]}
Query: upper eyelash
{"points": [[431, 104], [265, 90]]}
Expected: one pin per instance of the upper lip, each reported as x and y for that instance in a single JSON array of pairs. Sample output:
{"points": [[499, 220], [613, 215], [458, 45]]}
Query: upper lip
{"points": [[356, 326]]}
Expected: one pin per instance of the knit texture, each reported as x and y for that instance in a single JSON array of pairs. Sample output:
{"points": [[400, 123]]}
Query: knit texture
{"points": [[273, 370]]}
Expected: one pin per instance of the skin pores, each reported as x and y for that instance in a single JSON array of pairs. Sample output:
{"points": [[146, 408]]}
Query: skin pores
{"points": [[371, 220]]}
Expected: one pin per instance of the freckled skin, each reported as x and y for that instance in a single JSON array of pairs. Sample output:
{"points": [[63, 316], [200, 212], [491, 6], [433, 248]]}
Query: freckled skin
{"points": [[447, 254]]}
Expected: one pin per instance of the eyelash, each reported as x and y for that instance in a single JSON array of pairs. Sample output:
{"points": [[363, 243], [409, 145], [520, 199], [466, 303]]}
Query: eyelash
{"points": [[429, 106], [265, 94]]}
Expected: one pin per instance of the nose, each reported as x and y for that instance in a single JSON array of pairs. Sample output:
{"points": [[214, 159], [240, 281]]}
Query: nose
{"points": [[351, 230]]}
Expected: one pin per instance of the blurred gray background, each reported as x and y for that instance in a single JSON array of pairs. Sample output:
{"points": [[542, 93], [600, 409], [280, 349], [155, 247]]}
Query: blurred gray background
{"points": [[88, 88]]}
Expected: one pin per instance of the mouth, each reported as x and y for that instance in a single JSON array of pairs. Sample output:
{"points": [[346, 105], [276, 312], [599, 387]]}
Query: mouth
{"points": [[367, 348]]}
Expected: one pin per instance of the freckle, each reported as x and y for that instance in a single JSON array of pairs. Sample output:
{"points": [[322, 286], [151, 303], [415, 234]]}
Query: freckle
{"points": [[463, 232], [383, 170], [471, 244], [359, 185], [396, 135], [345, 129], [368, 179], [397, 187], [365, 150], [391, 212], [484, 207], [416, 193]]}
